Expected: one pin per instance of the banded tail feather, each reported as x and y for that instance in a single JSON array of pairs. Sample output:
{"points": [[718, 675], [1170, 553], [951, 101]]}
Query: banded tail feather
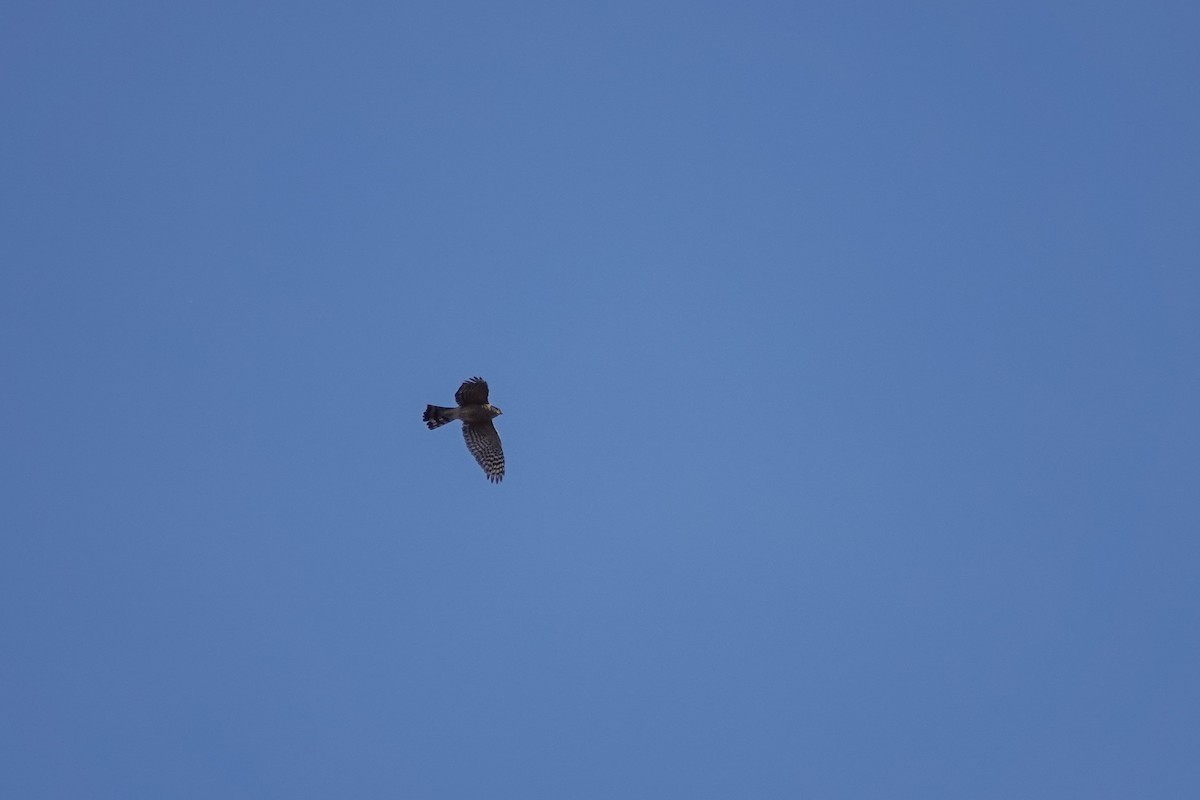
{"points": [[436, 416]]}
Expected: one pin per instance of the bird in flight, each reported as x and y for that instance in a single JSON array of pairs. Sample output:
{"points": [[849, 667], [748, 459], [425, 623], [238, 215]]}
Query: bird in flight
{"points": [[476, 414]]}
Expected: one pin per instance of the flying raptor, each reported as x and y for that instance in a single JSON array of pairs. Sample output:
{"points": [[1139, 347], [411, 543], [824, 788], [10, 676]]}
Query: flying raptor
{"points": [[476, 414]]}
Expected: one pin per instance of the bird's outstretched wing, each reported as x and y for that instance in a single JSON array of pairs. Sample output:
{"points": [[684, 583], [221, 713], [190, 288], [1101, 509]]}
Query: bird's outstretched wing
{"points": [[473, 392], [484, 443]]}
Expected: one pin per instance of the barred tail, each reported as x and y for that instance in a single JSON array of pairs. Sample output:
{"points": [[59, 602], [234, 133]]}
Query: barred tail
{"points": [[436, 416]]}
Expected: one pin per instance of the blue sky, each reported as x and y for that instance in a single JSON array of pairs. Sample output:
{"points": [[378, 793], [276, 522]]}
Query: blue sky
{"points": [[848, 359]]}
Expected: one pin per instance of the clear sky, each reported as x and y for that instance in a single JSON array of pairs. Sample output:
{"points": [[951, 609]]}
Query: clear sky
{"points": [[848, 353]]}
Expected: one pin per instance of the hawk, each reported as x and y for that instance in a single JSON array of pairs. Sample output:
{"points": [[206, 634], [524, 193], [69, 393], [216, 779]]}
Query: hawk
{"points": [[476, 414]]}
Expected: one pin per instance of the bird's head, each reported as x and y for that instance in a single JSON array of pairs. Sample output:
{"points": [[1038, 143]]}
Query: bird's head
{"points": [[495, 412]]}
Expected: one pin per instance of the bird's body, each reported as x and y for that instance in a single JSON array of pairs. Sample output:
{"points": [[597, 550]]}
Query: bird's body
{"points": [[436, 416], [480, 434]]}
